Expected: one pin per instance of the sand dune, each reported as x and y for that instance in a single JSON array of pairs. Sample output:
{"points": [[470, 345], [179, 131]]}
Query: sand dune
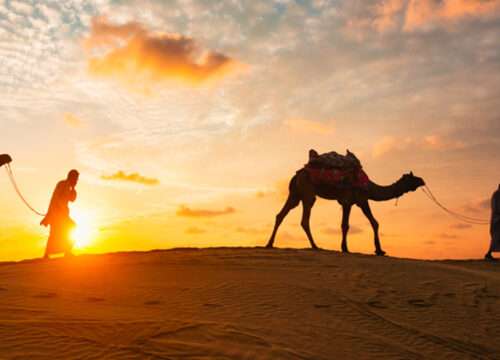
{"points": [[249, 304]]}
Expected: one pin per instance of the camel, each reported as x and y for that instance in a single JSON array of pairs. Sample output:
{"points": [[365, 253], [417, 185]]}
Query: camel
{"points": [[302, 189]]}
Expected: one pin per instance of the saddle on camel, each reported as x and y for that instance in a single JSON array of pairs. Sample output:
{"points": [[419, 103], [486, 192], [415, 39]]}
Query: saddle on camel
{"points": [[332, 168]]}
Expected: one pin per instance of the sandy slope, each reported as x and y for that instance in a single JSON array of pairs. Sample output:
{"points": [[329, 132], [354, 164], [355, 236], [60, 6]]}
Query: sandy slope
{"points": [[249, 304]]}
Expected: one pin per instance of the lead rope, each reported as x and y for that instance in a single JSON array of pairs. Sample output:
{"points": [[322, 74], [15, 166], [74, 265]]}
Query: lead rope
{"points": [[461, 217], [13, 181]]}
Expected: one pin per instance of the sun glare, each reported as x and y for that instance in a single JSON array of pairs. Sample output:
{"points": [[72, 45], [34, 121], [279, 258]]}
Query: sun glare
{"points": [[86, 231]]}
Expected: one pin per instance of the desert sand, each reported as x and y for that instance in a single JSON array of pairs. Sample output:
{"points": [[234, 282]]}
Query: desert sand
{"points": [[249, 304]]}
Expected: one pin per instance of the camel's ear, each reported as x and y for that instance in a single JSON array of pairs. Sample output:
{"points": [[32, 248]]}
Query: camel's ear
{"points": [[411, 173]]}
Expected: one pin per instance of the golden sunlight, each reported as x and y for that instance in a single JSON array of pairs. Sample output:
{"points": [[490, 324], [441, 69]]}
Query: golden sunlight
{"points": [[85, 231]]}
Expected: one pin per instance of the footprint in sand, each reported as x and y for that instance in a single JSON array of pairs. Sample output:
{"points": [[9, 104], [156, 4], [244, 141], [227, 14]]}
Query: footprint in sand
{"points": [[322, 306], [48, 295], [152, 302], [212, 305], [419, 303], [95, 299], [377, 304]]}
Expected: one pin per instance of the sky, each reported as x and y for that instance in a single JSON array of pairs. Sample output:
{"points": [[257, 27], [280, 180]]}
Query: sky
{"points": [[187, 118]]}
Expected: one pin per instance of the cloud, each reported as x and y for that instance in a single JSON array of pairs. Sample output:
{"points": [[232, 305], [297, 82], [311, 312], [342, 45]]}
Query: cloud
{"points": [[310, 126], [193, 230], [386, 14], [251, 230], [133, 177], [448, 236], [461, 226], [188, 212], [353, 229], [389, 144], [72, 120], [422, 13], [476, 206], [131, 53]]}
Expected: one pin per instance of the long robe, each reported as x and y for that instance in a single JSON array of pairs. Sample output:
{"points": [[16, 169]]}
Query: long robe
{"points": [[495, 222], [59, 220]]}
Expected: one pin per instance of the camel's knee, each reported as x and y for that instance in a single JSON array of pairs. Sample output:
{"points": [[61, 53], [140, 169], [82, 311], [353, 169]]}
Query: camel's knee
{"points": [[305, 224], [375, 225], [345, 228]]}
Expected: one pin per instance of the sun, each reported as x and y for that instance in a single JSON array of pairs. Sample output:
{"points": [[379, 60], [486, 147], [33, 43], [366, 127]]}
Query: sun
{"points": [[85, 231]]}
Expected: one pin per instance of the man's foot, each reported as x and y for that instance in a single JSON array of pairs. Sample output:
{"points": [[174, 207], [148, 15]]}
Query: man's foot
{"points": [[269, 246], [489, 257], [380, 252]]}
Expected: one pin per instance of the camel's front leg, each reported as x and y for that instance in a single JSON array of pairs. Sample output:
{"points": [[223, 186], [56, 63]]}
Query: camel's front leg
{"points": [[365, 207], [346, 212], [291, 203]]}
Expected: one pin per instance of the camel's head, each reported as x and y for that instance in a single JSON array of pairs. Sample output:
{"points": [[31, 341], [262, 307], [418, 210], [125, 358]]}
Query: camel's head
{"points": [[412, 182]]}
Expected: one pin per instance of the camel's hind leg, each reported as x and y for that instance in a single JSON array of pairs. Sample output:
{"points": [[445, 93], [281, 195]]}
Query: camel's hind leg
{"points": [[292, 202], [307, 204], [365, 207], [346, 212]]}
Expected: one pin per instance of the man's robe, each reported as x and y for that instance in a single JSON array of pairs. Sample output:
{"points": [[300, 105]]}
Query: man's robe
{"points": [[495, 222], [58, 218]]}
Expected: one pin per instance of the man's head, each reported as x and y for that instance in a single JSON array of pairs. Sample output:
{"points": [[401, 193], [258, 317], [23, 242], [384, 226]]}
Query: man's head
{"points": [[73, 177]]}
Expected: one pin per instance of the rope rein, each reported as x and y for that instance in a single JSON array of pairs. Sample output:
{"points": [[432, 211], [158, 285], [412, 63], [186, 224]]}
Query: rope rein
{"points": [[461, 217], [13, 181]]}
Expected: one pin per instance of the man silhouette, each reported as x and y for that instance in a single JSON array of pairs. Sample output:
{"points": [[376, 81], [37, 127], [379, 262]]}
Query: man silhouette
{"points": [[495, 225], [58, 218]]}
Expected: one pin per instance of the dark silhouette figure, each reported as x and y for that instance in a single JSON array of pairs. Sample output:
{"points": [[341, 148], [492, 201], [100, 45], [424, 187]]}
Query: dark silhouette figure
{"points": [[302, 189], [5, 159], [58, 218], [495, 225]]}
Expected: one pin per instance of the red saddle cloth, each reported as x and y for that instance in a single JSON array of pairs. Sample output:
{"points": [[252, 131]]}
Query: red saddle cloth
{"points": [[342, 178]]}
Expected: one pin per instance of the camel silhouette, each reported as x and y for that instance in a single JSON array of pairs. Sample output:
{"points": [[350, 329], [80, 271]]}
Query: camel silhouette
{"points": [[301, 188]]}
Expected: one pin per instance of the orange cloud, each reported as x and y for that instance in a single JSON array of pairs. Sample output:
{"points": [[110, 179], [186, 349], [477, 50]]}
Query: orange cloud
{"points": [[310, 126], [422, 12], [193, 230], [72, 120], [390, 144], [131, 53], [188, 212], [133, 177], [386, 14]]}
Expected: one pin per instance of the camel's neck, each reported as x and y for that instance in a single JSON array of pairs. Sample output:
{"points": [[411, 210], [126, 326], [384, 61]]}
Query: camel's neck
{"points": [[382, 193]]}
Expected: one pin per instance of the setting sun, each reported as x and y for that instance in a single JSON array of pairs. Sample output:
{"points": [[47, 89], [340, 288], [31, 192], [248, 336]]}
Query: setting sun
{"points": [[85, 231]]}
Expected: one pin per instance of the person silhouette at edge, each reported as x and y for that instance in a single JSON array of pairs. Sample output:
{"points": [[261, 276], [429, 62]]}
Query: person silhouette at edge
{"points": [[495, 225], [5, 159], [58, 218]]}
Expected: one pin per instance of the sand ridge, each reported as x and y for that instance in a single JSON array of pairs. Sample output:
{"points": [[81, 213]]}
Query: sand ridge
{"points": [[248, 303]]}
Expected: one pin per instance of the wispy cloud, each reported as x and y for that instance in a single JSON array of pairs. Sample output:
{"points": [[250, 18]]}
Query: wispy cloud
{"points": [[310, 126], [72, 120], [135, 55], [194, 230], [421, 13], [353, 229], [478, 206], [188, 212], [132, 177], [390, 144]]}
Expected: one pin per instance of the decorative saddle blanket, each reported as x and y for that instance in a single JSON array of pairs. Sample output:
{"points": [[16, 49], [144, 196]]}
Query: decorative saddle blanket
{"points": [[342, 171]]}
